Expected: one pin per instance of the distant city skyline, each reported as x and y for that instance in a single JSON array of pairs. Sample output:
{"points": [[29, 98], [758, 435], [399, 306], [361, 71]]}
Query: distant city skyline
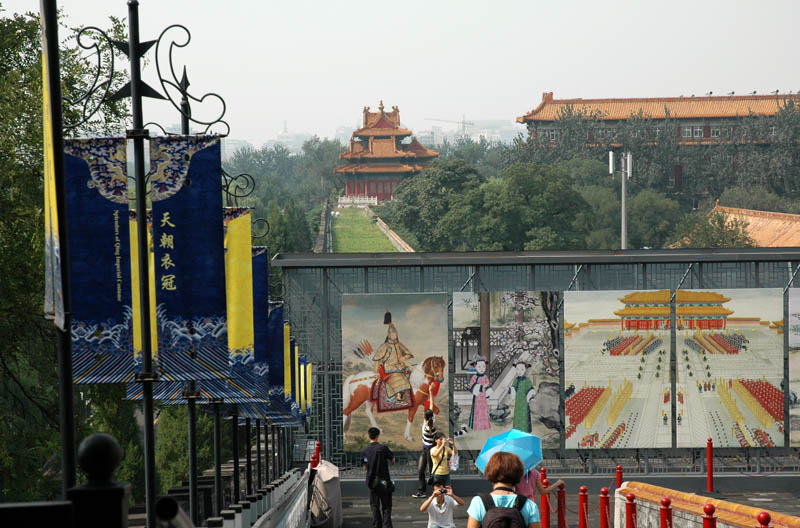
{"points": [[316, 65]]}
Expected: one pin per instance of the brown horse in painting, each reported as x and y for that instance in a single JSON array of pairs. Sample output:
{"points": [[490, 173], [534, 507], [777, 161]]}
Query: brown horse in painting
{"points": [[357, 389]]}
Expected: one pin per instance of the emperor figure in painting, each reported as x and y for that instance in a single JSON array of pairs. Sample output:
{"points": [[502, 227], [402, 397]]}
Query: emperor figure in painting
{"points": [[390, 362]]}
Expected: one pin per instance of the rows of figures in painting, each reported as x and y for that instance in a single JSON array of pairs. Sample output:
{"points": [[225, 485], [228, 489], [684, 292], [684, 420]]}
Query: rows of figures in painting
{"points": [[728, 381]]}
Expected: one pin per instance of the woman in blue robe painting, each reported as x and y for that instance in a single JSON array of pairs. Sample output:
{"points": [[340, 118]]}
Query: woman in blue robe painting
{"points": [[522, 392]]}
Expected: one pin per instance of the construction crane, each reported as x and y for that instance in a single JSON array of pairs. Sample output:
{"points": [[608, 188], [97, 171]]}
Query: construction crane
{"points": [[463, 123]]}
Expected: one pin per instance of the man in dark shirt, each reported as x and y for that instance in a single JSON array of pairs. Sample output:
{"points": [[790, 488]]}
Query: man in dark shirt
{"points": [[376, 457]]}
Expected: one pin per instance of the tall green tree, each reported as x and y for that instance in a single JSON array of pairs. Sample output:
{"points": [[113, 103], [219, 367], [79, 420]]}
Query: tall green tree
{"points": [[716, 230], [651, 219], [29, 439]]}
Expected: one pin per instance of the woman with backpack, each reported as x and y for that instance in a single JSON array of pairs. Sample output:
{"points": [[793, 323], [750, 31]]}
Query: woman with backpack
{"points": [[503, 507]]}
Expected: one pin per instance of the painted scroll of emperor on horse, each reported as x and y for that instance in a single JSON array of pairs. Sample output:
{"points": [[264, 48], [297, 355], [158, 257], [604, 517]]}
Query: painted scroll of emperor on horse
{"points": [[394, 366]]}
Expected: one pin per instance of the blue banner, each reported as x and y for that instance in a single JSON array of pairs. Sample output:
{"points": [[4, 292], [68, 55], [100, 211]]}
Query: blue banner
{"points": [[275, 357], [261, 319], [96, 179], [189, 259]]}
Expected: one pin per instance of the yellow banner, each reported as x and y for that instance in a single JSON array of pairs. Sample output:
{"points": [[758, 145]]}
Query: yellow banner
{"points": [[302, 376], [287, 361], [309, 394], [135, 302], [296, 380], [54, 302], [239, 282]]}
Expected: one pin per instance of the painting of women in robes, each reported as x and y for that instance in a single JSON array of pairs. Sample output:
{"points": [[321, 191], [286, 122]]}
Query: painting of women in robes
{"points": [[481, 389], [522, 392]]}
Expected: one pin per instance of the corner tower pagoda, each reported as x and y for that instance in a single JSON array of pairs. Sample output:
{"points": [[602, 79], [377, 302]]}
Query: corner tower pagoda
{"points": [[381, 156]]}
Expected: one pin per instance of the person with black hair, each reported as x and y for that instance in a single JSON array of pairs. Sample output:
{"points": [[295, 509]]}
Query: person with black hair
{"points": [[425, 462], [376, 457]]}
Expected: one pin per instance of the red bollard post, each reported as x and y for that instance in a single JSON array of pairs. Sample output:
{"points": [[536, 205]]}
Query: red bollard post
{"points": [[709, 521], [763, 520], [604, 508], [630, 511], [666, 513], [619, 477], [562, 506], [543, 473], [583, 508], [710, 465], [544, 513]]}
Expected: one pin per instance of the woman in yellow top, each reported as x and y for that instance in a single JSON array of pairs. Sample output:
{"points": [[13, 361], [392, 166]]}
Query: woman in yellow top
{"points": [[440, 456]]}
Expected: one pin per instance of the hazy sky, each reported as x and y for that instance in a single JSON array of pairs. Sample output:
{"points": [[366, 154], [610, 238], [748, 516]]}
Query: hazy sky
{"points": [[316, 64]]}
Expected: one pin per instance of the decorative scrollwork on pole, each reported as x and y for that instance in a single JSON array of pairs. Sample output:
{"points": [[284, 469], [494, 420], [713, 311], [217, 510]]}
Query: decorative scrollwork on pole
{"points": [[260, 224], [237, 187], [92, 100], [172, 85]]}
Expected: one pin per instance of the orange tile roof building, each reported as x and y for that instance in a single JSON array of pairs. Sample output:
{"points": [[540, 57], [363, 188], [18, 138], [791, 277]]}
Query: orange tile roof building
{"points": [[381, 156], [649, 310], [766, 228], [706, 120]]}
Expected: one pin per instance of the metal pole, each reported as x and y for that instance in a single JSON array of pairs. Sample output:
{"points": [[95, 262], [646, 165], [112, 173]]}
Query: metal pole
{"points": [[258, 454], [138, 134], [192, 406], [268, 454], [235, 439], [49, 13], [218, 458], [248, 458], [624, 227], [193, 512], [274, 450]]}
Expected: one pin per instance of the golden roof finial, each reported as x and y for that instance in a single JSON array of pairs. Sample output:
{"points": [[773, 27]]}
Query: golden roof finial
{"points": [[380, 106]]}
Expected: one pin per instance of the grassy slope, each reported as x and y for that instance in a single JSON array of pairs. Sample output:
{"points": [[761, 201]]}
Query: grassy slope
{"points": [[354, 233]]}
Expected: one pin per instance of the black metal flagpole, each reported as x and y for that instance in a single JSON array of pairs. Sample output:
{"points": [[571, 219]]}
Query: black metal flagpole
{"points": [[237, 496], [258, 454], [218, 458], [49, 13], [138, 133], [248, 458], [193, 512]]}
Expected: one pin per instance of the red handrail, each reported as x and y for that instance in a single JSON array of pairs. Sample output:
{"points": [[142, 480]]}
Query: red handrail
{"points": [[630, 511], [666, 513]]}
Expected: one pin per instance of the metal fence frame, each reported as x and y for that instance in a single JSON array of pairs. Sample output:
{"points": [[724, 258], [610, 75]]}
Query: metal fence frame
{"points": [[314, 284]]}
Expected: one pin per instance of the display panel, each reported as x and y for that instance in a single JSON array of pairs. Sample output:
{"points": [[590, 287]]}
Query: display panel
{"points": [[793, 327], [506, 371], [616, 363], [394, 366], [730, 367]]}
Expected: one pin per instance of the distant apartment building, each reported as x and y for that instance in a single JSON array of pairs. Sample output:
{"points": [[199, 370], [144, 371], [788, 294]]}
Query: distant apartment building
{"points": [[229, 147]]}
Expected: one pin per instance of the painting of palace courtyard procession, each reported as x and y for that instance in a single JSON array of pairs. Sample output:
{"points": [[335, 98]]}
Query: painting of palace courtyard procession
{"points": [[729, 368], [506, 371], [732, 365], [794, 366], [616, 368], [394, 366]]}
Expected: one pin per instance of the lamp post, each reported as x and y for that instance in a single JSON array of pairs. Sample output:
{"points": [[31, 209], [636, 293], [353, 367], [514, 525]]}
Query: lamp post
{"points": [[627, 166]]}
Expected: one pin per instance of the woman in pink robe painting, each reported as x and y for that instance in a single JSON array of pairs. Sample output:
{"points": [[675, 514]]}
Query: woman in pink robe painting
{"points": [[481, 389]]}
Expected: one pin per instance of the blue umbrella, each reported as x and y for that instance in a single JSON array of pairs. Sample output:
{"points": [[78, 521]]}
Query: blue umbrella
{"points": [[525, 445]]}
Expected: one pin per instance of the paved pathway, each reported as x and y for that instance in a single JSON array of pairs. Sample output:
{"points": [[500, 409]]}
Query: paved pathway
{"points": [[405, 512]]}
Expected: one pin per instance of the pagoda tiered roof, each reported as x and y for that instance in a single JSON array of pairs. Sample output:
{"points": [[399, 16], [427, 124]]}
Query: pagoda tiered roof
{"points": [[381, 145], [682, 296]]}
